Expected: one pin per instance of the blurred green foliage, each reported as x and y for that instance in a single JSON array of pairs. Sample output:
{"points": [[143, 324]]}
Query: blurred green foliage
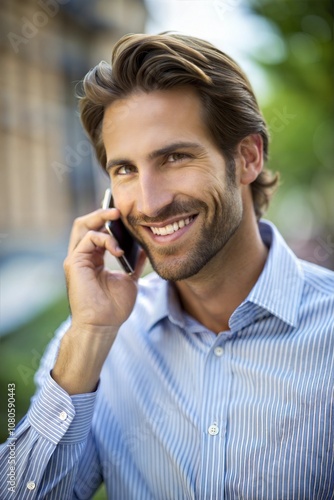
{"points": [[298, 62]]}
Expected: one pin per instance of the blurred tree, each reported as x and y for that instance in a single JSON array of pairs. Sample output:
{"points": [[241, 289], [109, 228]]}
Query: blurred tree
{"points": [[298, 59]]}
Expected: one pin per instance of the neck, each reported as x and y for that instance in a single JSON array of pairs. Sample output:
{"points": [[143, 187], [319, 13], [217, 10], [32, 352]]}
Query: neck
{"points": [[223, 284]]}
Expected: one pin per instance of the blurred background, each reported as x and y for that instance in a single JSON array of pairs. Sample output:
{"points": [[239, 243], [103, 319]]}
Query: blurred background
{"points": [[49, 175]]}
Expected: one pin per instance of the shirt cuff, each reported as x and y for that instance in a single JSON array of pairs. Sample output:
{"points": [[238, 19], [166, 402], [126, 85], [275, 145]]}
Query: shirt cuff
{"points": [[59, 417]]}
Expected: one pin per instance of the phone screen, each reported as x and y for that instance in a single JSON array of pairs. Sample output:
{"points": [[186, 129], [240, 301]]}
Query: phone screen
{"points": [[124, 238]]}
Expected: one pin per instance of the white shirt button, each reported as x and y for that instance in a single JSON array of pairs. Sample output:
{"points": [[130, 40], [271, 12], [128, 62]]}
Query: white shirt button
{"points": [[63, 415], [213, 430], [219, 351], [31, 485]]}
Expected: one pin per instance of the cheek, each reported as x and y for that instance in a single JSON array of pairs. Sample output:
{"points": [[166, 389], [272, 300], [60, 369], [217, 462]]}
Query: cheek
{"points": [[207, 184], [222, 197], [123, 197], [201, 177]]}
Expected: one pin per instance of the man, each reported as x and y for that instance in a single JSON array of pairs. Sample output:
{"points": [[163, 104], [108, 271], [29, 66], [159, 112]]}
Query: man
{"points": [[213, 376]]}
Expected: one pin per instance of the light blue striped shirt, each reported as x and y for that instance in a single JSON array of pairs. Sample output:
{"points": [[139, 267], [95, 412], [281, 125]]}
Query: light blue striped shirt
{"points": [[182, 413]]}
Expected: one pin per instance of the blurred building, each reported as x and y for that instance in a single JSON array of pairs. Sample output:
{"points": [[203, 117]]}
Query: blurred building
{"points": [[47, 172]]}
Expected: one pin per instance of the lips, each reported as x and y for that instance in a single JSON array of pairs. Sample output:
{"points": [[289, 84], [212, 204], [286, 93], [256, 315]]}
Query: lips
{"points": [[171, 228]]}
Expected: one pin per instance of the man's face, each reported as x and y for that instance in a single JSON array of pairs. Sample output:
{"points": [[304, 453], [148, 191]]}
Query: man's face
{"points": [[170, 181]]}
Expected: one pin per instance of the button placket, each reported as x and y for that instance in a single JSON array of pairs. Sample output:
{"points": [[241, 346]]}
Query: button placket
{"points": [[217, 378]]}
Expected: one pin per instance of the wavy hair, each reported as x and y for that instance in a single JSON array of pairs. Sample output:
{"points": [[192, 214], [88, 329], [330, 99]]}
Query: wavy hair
{"points": [[160, 62]]}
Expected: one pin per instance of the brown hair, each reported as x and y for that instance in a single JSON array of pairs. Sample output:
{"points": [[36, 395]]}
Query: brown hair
{"points": [[160, 62]]}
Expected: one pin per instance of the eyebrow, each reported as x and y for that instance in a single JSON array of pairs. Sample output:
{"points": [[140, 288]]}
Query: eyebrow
{"points": [[157, 153]]}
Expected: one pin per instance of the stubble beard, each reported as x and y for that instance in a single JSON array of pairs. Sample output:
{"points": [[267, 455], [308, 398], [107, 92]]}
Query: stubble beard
{"points": [[217, 230]]}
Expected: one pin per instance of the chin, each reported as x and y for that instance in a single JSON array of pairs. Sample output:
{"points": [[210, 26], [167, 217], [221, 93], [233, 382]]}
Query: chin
{"points": [[178, 271]]}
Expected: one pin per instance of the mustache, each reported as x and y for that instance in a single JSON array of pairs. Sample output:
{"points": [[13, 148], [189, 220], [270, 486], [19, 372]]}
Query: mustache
{"points": [[173, 209]]}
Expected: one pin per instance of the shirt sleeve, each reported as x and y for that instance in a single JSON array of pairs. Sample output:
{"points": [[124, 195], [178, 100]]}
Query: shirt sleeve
{"points": [[41, 459]]}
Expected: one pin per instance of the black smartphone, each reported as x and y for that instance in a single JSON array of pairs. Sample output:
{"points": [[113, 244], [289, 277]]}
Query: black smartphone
{"points": [[124, 238]]}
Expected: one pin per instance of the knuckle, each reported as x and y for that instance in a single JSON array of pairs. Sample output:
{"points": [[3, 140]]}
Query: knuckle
{"points": [[78, 221], [91, 234]]}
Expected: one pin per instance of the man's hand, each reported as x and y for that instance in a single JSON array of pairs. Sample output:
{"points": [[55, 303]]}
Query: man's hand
{"points": [[100, 302], [98, 297]]}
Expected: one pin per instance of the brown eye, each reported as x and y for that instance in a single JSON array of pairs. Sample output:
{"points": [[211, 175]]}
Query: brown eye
{"points": [[174, 157], [125, 170]]}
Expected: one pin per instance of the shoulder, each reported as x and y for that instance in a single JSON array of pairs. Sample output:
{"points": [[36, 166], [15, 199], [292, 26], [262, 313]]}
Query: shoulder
{"points": [[318, 279], [317, 304]]}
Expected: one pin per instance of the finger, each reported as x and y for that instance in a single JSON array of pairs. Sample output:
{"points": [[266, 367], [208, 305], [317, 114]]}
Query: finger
{"points": [[96, 241], [93, 221]]}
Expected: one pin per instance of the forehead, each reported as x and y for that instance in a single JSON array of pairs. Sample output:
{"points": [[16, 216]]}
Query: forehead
{"points": [[162, 115], [154, 101]]}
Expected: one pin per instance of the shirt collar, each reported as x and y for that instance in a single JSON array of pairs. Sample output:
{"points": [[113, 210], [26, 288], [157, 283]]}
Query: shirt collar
{"points": [[277, 291], [166, 304], [279, 287]]}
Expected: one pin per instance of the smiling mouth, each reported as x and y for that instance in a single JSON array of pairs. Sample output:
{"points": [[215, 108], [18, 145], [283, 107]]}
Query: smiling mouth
{"points": [[171, 228]]}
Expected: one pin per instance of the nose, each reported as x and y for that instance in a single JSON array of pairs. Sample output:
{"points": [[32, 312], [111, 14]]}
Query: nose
{"points": [[153, 194]]}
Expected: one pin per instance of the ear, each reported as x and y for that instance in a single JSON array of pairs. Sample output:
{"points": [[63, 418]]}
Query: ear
{"points": [[250, 156]]}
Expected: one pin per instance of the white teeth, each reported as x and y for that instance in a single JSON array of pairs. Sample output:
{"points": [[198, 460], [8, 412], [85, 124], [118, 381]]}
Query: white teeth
{"points": [[171, 228]]}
